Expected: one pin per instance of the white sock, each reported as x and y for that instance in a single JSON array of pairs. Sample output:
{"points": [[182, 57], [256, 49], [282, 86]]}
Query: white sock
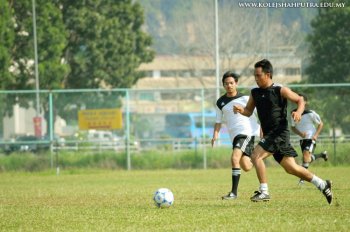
{"points": [[264, 188], [313, 157], [318, 182]]}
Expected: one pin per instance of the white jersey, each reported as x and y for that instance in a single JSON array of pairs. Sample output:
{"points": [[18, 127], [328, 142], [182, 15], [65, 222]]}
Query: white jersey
{"points": [[309, 119], [236, 123]]}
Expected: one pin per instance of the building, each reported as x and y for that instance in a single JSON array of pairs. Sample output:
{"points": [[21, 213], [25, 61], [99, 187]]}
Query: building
{"points": [[167, 79]]}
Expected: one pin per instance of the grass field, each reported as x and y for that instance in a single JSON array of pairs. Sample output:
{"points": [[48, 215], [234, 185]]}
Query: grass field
{"points": [[98, 200]]}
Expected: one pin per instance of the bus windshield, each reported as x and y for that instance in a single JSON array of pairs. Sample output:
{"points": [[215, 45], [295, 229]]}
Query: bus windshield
{"points": [[188, 125]]}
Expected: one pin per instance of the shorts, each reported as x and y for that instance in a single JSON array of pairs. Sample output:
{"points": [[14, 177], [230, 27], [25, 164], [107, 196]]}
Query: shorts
{"points": [[308, 145], [245, 143], [279, 145]]}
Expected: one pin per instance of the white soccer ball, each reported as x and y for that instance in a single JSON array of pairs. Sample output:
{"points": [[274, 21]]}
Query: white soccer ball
{"points": [[163, 198]]}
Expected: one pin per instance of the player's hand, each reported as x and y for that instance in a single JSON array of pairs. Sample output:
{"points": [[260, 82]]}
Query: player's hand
{"points": [[296, 116], [238, 109]]}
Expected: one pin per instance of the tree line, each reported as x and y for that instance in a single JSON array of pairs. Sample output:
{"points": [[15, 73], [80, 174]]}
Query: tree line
{"points": [[81, 44]]}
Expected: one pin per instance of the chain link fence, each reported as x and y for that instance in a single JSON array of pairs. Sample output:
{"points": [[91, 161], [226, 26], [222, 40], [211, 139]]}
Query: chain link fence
{"points": [[154, 119]]}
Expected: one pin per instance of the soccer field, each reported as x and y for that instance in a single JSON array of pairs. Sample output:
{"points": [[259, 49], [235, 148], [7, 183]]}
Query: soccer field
{"points": [[98, 200]]}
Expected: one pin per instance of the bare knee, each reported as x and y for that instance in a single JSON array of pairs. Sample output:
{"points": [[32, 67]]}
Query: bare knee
{"points": [[247, 167]]}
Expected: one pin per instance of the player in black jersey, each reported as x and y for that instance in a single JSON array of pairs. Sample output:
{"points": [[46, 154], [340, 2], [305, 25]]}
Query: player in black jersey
{"points": [[270, 100]]}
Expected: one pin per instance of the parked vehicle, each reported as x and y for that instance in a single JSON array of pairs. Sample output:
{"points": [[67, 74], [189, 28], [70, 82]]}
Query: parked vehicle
{"points": [[29, 143], [192, 127]]}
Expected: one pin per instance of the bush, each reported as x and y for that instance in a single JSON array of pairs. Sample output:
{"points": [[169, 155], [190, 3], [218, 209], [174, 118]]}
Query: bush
{"points": [[157, 159]]}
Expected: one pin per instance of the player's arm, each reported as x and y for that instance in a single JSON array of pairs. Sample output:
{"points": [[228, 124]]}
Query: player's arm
{"points": [[261, 133], [294, 128], [217, 125], [217, 128], [318, 131], [247, 110], [294, 97]]}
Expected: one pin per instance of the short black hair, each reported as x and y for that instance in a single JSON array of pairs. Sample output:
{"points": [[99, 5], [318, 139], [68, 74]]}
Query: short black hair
{"points": [[265, 65], [230, 74]]}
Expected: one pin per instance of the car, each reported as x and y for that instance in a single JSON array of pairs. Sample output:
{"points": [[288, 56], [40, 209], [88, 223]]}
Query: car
{"points": [[29, 143]]}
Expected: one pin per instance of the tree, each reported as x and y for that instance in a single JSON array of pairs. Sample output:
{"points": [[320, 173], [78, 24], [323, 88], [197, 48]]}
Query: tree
{"points": [[6, 43], [329, 60], [51, 40], [7, 39], [106, 43], [330, 46]]}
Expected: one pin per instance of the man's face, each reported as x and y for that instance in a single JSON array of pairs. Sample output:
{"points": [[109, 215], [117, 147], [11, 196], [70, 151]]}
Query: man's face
{"points": [[230, 85], [261, 78]]}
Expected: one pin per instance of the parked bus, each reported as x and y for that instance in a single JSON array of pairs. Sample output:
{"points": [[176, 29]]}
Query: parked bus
{"points": [[189, 126]]}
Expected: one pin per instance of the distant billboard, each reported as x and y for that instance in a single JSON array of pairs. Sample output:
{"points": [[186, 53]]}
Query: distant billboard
{"points": [[100, 119]]}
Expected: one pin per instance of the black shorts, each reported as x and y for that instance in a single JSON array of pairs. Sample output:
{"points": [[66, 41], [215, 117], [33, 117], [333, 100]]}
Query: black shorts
{"points": [[279, 145], [245, 143], [308, 145]]}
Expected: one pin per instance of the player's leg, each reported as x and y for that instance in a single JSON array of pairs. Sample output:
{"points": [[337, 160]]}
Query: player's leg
{"points": [[241, 144], [314, 156], [258, 156], [236, 173], [291, 167], [247, 148], [246, 163], [322, 155], [306, 162], [236, 169]]}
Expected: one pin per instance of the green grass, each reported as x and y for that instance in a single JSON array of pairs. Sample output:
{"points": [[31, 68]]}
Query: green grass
{"points": [[107, 200]]}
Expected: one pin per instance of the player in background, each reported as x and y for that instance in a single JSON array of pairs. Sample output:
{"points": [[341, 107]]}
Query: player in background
{"points": [[242, 129], [270, 101], [308, 135]]}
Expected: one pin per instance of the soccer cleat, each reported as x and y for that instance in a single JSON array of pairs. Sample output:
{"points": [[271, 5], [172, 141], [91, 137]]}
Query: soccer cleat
{"points": [[327, 191], [229, 196], [324, 155], [259, 196]]}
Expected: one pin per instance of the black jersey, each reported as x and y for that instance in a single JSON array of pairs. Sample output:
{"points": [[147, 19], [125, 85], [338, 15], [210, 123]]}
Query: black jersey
{"points": [[271, 108]]}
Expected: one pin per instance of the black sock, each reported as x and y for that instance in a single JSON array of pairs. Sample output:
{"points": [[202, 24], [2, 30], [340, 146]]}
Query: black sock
{"points": [[236, 174], [317, 155]]}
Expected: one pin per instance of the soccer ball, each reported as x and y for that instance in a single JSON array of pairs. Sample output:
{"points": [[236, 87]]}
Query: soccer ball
{"points": [[163, 198]]}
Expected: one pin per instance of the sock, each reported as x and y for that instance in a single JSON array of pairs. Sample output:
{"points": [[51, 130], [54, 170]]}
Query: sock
{"points": [[306, 165], [236, 174], [316, 156], [313, 157], [318, 182], [264, 188]]}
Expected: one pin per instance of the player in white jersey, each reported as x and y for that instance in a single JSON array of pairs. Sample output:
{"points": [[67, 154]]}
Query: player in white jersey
{"points": [[308, 135], [242, 129]]}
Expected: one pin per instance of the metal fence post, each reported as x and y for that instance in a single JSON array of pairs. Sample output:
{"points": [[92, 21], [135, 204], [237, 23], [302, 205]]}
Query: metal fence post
{"points": [[204, 150], [128, 159], [51, 127]]}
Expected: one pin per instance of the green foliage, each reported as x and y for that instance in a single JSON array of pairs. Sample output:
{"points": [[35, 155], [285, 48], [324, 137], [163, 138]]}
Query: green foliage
{"points": [[81, 44], [7, 39], [147, 160], [106, 44], [51, 39], [330, 45], [94, 200], [329, 61]]}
